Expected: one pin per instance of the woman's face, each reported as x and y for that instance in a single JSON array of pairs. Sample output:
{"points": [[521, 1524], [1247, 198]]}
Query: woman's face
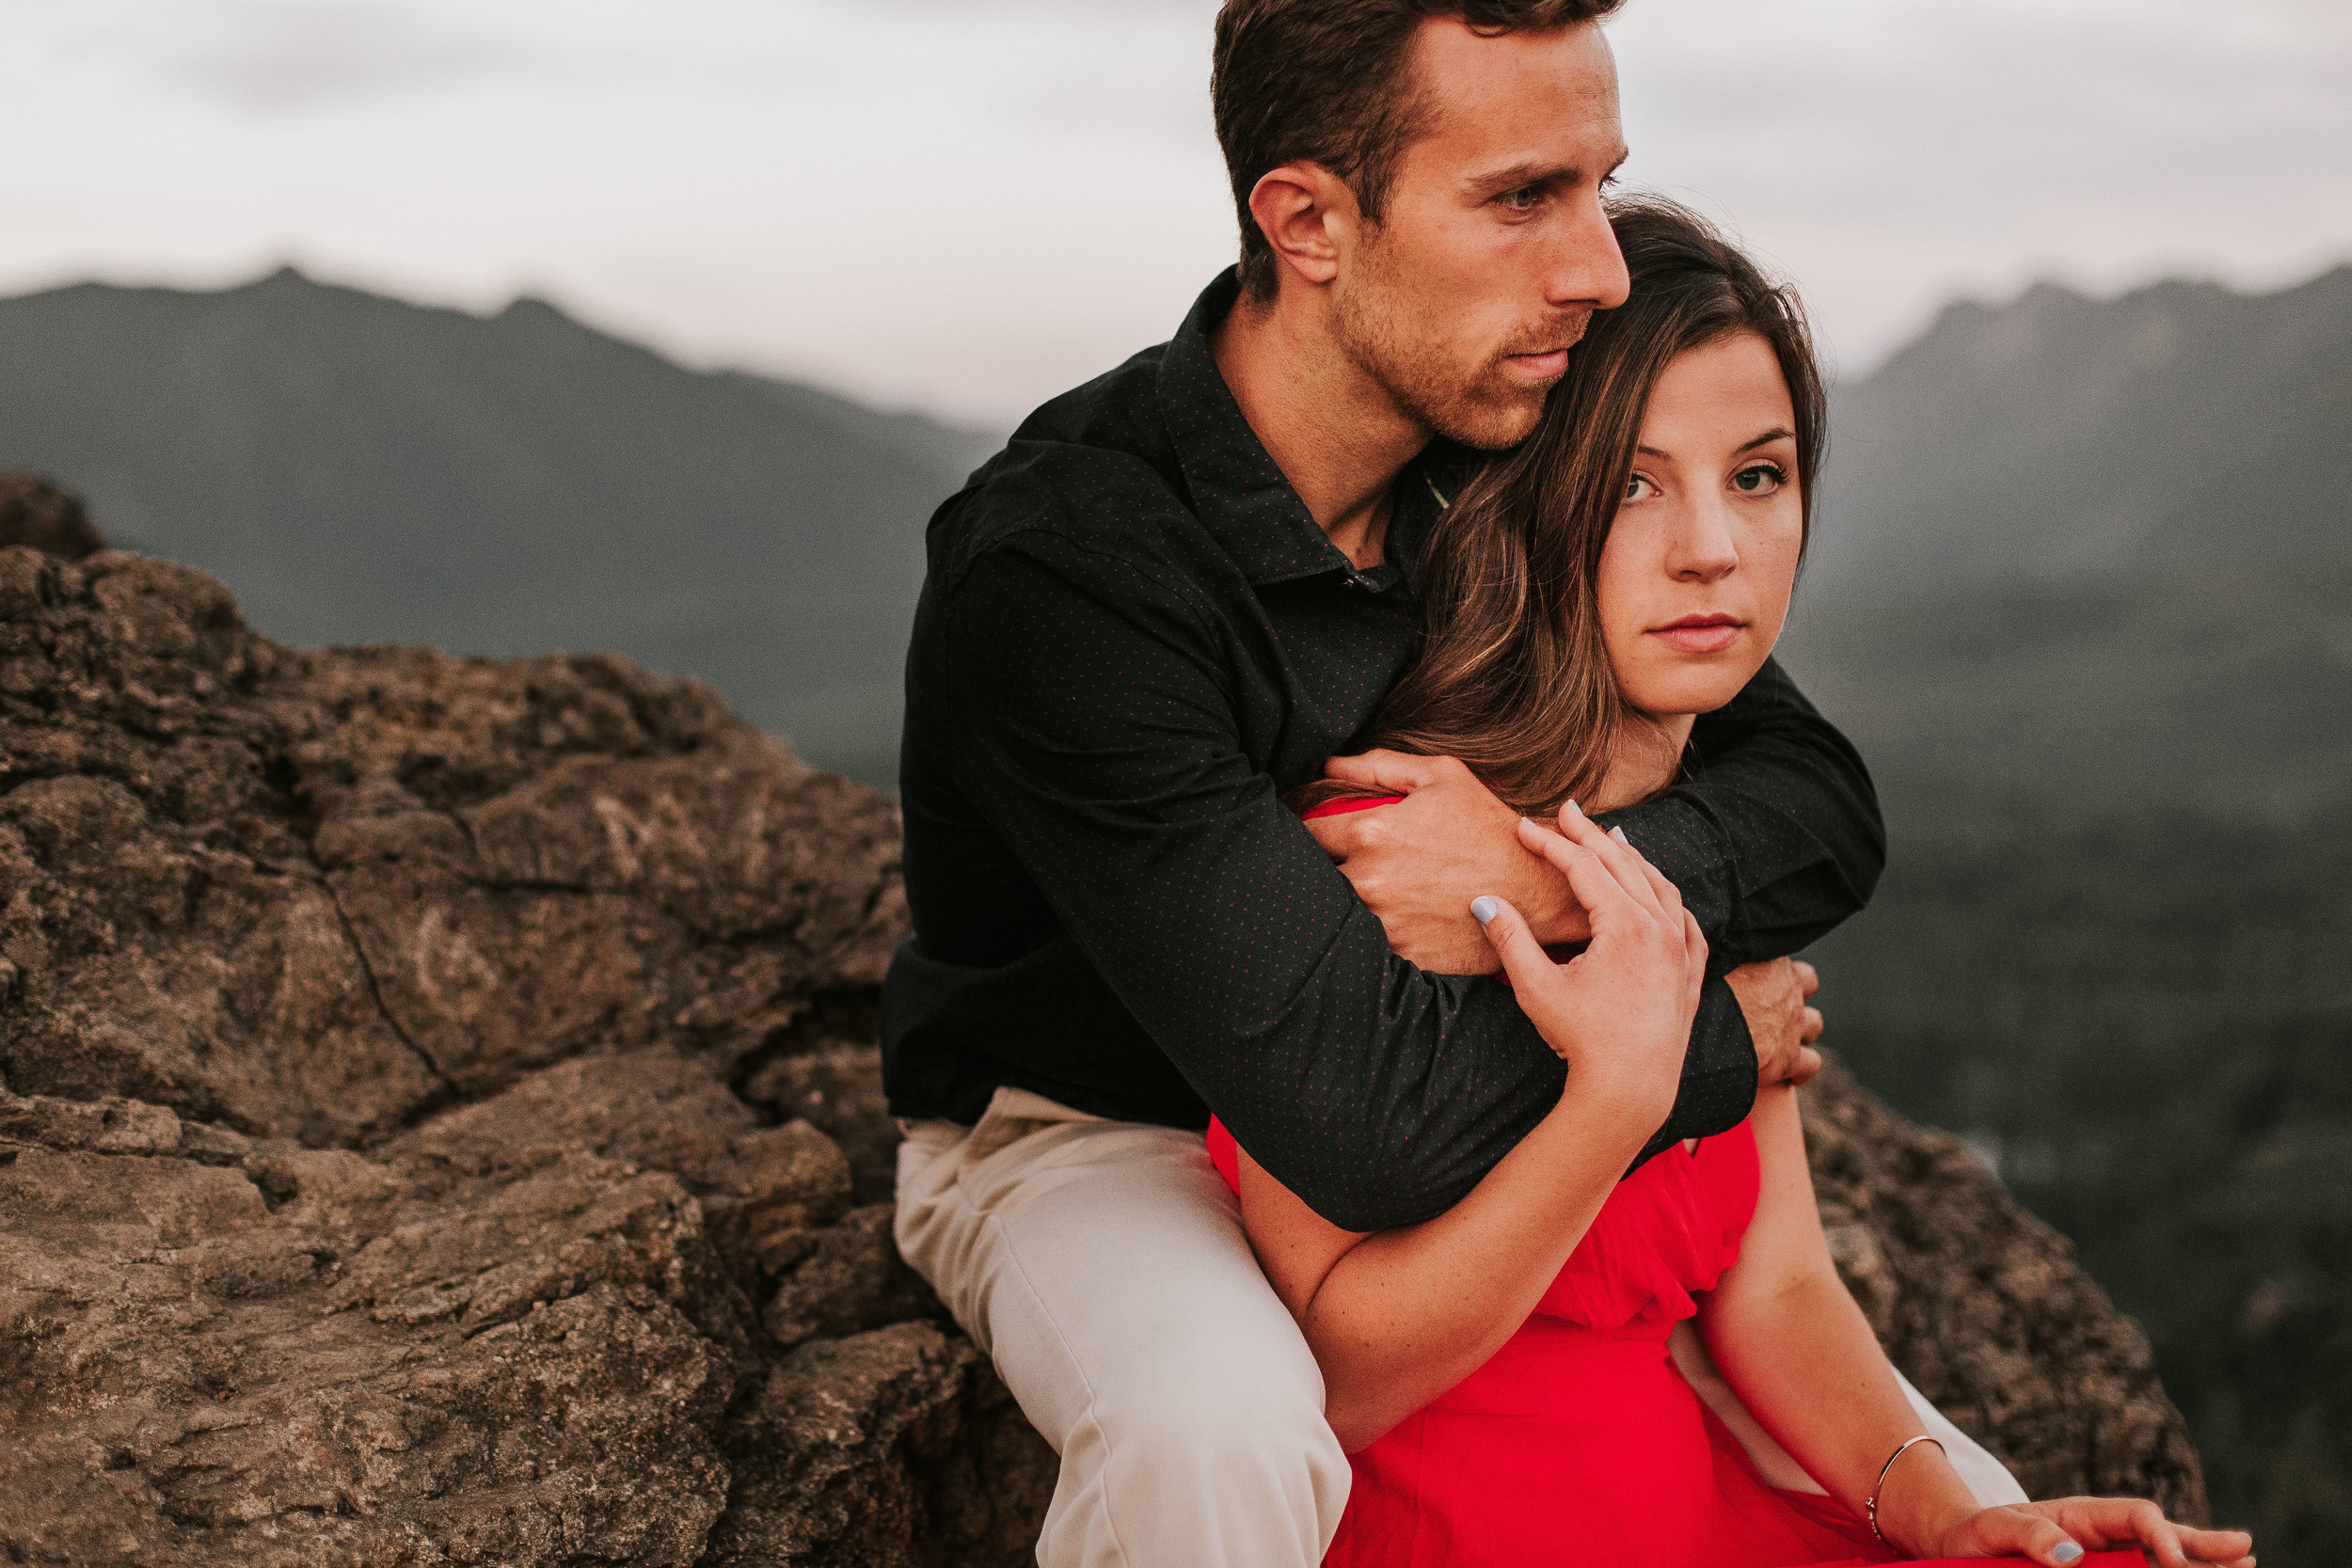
{"points": [[1698, 566]]}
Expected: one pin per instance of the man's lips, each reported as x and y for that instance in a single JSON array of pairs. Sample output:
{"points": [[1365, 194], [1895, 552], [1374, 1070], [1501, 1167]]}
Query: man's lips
{"points": [[1700, 634], [1551, 363]]}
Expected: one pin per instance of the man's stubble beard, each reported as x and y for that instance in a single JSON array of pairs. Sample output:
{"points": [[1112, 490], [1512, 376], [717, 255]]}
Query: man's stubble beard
{"points": [[1379, 325]]}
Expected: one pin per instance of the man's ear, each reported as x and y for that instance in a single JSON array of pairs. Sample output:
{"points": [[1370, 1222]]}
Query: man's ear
{"points": [[1306, 213]]}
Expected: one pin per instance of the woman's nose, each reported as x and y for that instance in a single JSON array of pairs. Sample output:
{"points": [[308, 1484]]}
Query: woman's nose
{"points": [[1702, 549]]}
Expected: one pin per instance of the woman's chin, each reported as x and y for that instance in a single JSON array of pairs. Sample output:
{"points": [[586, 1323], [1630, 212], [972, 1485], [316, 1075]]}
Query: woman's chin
{"points": [[1699, 687]]}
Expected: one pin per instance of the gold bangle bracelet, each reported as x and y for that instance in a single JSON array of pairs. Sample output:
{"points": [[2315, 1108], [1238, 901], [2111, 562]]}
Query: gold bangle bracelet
{"points": [[1871, 1506]]}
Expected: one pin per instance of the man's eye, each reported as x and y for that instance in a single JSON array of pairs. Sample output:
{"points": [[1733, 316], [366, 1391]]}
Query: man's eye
{"points": [[1521, 200], [1760, 479]]}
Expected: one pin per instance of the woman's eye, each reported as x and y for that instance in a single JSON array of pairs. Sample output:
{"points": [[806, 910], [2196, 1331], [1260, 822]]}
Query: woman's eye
{"points": [[1760, 479], [1639, 487]]}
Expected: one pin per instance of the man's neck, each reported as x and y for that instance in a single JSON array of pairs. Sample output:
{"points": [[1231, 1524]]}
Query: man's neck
{"points": [[1336, 434]]}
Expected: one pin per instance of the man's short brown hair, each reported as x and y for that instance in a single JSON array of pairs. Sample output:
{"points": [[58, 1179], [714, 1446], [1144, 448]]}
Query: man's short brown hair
{"points": [[1325, 81]]}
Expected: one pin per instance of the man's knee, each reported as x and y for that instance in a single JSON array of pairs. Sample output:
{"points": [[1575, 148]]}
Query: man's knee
{"points": [[1228, 1422]]}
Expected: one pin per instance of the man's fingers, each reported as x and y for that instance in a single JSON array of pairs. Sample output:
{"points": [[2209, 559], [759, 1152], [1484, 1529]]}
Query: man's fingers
{"points": [[1398, 772], [1808, 1068], [1808, 977], [1810, 1030]]}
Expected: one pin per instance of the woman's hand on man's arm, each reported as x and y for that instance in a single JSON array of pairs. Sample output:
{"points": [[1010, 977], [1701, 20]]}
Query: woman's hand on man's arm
{"points": [[1397, 1317], [1418, 864]]}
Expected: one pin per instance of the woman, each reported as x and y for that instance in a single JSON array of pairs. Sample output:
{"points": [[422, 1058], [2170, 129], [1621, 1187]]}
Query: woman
{"points": [[1500, 1372]]}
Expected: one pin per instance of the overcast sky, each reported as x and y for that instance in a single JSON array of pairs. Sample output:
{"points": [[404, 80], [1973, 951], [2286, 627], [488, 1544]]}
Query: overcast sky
{"points": [[967, 205]]}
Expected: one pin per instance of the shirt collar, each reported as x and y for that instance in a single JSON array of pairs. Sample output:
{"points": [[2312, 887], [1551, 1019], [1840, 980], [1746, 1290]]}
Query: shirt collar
{"points": [[1238, 492]]}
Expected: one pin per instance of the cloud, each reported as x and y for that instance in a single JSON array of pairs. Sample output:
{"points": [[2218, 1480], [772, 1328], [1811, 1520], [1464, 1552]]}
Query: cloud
{"points": [[971, 204], [277, 55]]}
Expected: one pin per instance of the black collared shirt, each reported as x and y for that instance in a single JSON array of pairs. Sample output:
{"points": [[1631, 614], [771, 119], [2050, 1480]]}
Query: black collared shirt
{"points": [[1133, 638]]}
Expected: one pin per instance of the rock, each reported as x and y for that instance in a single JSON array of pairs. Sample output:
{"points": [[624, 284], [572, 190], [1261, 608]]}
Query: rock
{"points": [[853, 1280], [962, 1481], [372, 1186], [441, 1124], [37, 512]]}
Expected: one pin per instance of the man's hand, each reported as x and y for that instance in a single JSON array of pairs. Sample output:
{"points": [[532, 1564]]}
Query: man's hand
{"points": [[1419, 862], [1775, 996]]}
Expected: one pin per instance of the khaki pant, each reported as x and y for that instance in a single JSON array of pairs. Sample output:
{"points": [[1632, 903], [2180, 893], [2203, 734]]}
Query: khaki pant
{"points": [[1103, 1266]]}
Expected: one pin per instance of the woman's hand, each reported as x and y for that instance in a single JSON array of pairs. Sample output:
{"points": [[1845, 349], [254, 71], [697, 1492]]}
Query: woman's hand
{"points": [[2046, 1531], [1620, 1013]]}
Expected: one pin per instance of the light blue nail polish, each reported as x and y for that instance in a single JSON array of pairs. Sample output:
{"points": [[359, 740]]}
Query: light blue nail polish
{"points": [[1573, 808], [2066, 1551], [1618, 833], [1482, 908]]}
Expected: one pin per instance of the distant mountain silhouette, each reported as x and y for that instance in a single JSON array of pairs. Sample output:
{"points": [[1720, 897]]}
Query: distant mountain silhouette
{"points": [[2060, 438], [2040, 518], [2093, 554], [361, 470]]}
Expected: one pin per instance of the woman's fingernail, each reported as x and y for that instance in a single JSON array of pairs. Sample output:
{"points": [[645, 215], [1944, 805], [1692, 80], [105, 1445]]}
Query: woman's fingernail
{"points": [[1573, 808], [1618, 833], [1482, 908], [2066, 1551]]}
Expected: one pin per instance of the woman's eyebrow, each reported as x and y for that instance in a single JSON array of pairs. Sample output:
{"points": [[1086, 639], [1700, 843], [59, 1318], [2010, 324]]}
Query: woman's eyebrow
{"points": [[1775, 434]]}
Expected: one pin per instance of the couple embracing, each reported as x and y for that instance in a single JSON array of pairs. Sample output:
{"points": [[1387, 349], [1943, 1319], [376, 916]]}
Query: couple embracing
{"points": [[1348, 1147]]}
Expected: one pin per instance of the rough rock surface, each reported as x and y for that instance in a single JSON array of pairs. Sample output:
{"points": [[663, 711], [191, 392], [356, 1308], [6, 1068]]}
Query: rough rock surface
{"points": [[440, 1124]]}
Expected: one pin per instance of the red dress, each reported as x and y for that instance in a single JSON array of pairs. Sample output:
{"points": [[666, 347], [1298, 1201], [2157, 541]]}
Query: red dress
{"points": [[1579, 1442]]}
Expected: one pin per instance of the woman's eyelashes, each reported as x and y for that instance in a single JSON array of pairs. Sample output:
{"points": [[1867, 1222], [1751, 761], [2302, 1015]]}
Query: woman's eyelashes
{"points": [[1752, 481]]}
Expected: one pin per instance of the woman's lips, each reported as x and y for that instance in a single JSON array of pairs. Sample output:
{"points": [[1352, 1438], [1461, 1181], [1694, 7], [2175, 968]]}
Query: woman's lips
{"points": [[1700, 634]]}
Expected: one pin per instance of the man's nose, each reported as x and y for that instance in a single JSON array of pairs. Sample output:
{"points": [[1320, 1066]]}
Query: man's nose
{"points": [[1588, 268]]}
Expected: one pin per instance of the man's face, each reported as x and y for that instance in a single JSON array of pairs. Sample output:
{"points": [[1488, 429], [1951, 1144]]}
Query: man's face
{"points": [[1492, 251]]}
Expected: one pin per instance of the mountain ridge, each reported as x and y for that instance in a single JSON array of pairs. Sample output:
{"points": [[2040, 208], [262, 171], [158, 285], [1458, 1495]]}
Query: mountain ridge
{"points": [[494, 484], [2061, 436]]}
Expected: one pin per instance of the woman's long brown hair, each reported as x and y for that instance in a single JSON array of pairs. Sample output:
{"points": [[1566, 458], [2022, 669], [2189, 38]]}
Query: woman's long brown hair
{"points": [[1512, 675]]}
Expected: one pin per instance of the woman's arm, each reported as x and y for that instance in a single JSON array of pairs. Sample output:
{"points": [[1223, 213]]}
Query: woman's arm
{"points": [[1789, 1337], [1789, 1340], [1397, 1317]]}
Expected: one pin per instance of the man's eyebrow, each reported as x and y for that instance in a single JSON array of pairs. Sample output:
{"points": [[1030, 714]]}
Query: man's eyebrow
{"points": [[1529, 171]]}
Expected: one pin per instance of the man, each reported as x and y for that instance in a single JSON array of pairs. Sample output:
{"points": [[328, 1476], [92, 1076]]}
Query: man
{"points": [[1181, 591]]}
